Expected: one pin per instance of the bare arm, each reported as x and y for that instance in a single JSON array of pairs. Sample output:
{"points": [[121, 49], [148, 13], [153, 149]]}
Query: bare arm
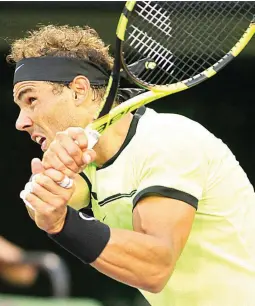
{"points": [[9, 252], [11, 268], [143, 258], [146, 258]]}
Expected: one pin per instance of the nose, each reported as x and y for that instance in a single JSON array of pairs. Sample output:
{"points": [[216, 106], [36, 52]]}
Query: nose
{"points": [[23, 122]]}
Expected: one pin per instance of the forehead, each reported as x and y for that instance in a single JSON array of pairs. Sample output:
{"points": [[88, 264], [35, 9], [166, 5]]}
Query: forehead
{"points": [[29, 86]]}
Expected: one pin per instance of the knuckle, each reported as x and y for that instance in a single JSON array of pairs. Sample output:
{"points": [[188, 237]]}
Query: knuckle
{"points": [[75, 130], [74, 151], [62, 168], [46, 160], [81, 133], [59, 202], [71, 174], [60, 135], [36, 188], [71, 164], [53, 146], [54, 175], [59, 176], [57, 165], [43, 180], [47, 212], [68, 172]]}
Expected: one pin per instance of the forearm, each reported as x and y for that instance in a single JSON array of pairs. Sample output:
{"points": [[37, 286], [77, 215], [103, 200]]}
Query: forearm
{"points": [[136, 259]]}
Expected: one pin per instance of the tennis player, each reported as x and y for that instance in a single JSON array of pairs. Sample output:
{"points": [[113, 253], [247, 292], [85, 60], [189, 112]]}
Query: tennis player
{"points": [[169, 210]]}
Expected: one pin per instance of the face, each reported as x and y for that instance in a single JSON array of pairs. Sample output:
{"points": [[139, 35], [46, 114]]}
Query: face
{"points": [[43, 112]]}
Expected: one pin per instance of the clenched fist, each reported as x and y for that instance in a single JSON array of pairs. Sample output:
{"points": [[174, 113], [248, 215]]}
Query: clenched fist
{"points": [[47, 199], [70, 152]]}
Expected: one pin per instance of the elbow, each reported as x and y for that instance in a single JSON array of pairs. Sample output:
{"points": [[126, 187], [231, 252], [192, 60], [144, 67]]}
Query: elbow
{"points": [[157, 282], [155, 287]]}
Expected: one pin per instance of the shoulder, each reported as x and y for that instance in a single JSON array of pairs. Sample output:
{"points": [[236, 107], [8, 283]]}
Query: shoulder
{"points": [[169, 129]]}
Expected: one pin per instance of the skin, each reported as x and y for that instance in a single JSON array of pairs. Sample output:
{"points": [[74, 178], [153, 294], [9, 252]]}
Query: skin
{"points": [[11, 268], [143, 258]]}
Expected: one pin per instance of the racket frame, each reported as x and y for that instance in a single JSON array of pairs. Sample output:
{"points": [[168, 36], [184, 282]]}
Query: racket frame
{"points": [[156, 92]]}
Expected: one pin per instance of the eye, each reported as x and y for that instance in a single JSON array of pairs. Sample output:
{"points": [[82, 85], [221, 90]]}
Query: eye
{"points": [[31, 100]]}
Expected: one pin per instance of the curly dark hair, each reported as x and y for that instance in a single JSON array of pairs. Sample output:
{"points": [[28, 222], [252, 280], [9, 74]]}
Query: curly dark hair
{"points": [[78, 42]]}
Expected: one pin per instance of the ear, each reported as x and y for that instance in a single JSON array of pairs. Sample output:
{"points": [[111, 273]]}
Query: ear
{"points": [[81, 88]]}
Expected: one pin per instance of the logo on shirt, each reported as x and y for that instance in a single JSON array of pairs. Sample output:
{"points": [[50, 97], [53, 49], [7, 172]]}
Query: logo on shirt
{"points": [[84, 217]]}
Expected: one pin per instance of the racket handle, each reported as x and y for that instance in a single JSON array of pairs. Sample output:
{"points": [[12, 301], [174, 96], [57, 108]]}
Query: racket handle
{"points": [[55, 269]]}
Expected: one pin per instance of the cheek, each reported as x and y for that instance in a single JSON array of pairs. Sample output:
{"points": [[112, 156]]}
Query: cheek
{"points": [[57, 117]]}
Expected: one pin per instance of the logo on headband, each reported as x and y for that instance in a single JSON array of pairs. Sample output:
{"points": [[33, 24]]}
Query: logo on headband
{"points": [[18, 68]]}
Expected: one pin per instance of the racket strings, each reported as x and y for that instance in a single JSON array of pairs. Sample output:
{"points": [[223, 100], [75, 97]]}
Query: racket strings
{"points": [[198, 63], [183, 38], [152, 47], [209, 46], [146, 44], [150, 14]]}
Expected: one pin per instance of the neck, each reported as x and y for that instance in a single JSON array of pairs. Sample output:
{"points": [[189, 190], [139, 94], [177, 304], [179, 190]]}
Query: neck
{"points": [[112, 139]]}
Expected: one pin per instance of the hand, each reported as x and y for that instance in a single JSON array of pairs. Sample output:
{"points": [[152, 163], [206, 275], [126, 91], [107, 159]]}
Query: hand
{"points": [[47, 198], [9, 252], [69, 152]]}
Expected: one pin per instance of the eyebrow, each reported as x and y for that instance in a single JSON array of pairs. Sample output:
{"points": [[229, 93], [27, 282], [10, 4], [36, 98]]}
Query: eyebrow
{"points": [[23, 92]]}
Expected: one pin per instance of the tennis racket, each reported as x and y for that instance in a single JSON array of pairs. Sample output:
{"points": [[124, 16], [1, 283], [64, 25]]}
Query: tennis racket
{"points": [[169, 46]]}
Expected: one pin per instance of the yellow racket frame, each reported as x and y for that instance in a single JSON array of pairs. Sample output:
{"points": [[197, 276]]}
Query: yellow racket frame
{"points": [[157, 92]]}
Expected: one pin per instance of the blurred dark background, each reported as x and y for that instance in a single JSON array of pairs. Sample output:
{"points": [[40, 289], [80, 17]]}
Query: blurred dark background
{"points": [[225, 105]]}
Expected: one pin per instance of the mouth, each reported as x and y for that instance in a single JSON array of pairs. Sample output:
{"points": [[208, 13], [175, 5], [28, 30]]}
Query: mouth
{"points": [[41, 140]]}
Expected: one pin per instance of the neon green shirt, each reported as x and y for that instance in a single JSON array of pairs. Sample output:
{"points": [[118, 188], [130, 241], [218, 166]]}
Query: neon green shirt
{"points": [[173, 156]]}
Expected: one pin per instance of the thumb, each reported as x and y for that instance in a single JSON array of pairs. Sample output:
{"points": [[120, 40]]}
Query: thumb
{"points": [[37, 166]]}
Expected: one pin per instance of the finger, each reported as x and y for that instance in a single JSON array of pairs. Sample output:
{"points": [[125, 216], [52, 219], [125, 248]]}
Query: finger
{"points": [[38, 205], [50, 197], [31, 211], [70, 146], [78, 134], [36, 166], [51, 160], [54, 174], [89, 156], [47, 190], [69, 160], [58, 177], [23, 196]]}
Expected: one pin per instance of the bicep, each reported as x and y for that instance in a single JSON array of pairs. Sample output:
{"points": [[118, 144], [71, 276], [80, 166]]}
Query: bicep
{"points": [[165, 218]]}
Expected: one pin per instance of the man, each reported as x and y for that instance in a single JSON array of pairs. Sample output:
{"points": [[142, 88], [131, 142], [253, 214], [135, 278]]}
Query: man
{"points": [[173, 211]]}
